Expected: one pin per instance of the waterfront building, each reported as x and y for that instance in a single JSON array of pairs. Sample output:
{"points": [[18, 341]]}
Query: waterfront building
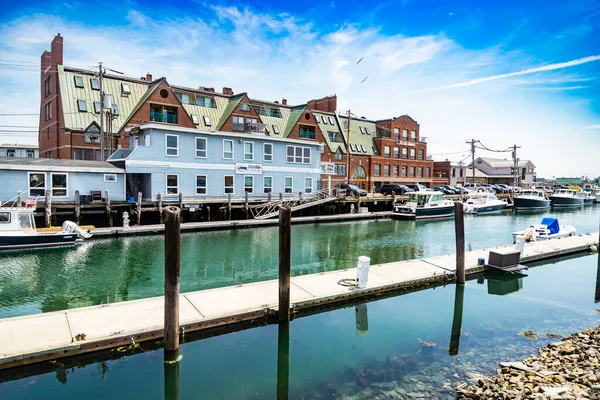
{"points": [[33, 176], [19, 150], [201, 164], [452, 173], [502, 171]]}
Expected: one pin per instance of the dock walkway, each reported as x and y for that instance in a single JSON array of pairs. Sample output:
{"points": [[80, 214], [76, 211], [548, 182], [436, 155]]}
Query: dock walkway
{"points": [[35, 338]]}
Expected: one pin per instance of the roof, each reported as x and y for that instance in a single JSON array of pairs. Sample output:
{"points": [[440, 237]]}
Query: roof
{"points": [[50, 164], [503, 162], [478, 173], [328, 127], [357, 135], [18, 146]]}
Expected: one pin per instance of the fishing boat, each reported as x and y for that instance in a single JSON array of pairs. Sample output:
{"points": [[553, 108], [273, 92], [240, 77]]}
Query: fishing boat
{"points": [[548, 229], [424, 205], [566, 198], [18, 231], [531, 200], [486, 202]]}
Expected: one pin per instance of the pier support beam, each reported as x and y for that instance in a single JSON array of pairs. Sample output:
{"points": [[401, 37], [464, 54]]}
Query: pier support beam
{"points": [[161, 220], [77, 208], [285, 236], [48, 209], [229, 206], [459, 229], [459, 296], [172, 217], [597, 294], [109, 219]]}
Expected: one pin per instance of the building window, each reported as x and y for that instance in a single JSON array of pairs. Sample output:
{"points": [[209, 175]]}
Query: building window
{"points": [[200, 147], [227, 149], [331, 120], [238, 123], [195, 120], [413, 136], [48, 86], [396, 133], [83, 154], [37, 183], [206, 102], [228, 184], [11, 153], [404, 152], [267, 184], [322, 119], [460, 172], [386, 170], [125, 89], [276, 129], [183, 98], [367, 130], [248, 184], [412, 172], [59, 185], [110, 177], [339, 155], [172, 145], [427, 172], [48, 133], [308, 185], [78, 81], [334, 137], [386, 151], [298, 154], [404, 170], [48, 110], [396, 154], [114, 109], [95, 84], [377, 170], [404, 134], [163, 114], [268, 152], [97, 107], [273, 112], [82, 105], [249, 151], [288, 182], [421, 154], [200, 184], [244, 107], [395, 170], [207, 120], [412, 154], [453, 172], [420, 172], [30, 154], [342, 169], [307, 132], [172, 184]]}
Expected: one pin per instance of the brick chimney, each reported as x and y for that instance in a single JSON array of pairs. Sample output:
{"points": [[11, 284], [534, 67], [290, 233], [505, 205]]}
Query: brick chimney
{"points": [[284, 101], [228, 91], [148, 76], [46, 60], [276, 102], [56, 50]]}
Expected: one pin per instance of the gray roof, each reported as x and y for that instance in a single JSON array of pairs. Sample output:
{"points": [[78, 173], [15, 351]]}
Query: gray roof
{"points": [[50, 164], [18, 146], [503, 163]]}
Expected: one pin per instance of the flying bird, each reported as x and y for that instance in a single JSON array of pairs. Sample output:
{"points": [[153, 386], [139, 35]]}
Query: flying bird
{"points": [[358, 62], [364, 79]]}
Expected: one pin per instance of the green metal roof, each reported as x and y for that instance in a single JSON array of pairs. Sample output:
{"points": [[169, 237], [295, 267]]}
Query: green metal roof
{"points": [[280, 122], [359, 140], [328, 127], [215, 114], [231, 105], [295, 115]]}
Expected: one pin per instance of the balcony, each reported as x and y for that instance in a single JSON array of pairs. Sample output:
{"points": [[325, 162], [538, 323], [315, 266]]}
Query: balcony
{"points": [[163, 117], [256, 128]]}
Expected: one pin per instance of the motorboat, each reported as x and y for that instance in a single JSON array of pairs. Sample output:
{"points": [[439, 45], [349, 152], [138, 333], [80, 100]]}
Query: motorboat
{"points": [[597, 196], [18, 231], [566, 198], [531, 199], [588, 198], [424, 205], [548, 229], [485, 202]]}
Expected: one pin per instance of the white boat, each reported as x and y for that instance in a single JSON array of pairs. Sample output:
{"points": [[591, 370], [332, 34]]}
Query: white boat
{"points": [[597, 195], [588, 198], [531, 200], [548, 229], [424, 205], [566, 198], [485, 202]]}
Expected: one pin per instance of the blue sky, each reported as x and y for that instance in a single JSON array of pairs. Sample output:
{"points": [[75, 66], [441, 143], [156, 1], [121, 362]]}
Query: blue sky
{"points": [[503, 72]]}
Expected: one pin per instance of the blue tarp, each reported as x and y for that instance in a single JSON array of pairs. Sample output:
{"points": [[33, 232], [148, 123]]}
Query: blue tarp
{"points": [[552, 224]]}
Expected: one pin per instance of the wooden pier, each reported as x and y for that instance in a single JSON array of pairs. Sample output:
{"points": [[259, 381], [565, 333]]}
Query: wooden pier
{"points": [[35, 338]]}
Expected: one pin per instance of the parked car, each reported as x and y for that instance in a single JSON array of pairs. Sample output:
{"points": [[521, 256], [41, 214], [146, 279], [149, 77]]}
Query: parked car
{"points": [[500, 189], [442, 189], [350, 190], [416, 187], [459, 189], [389, 188], [451, 189]]}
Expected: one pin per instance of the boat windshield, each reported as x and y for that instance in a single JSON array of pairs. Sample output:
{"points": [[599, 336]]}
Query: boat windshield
{"points": [[26, 223], [419, 198]]}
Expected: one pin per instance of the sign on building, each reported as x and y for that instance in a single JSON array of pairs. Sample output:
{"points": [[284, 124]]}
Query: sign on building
{"points": [[248, 169]]}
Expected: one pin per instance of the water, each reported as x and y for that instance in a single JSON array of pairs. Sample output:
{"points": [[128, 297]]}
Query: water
{"points": [[118, 269]]}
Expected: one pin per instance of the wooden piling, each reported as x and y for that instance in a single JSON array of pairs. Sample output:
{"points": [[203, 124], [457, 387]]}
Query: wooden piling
{"points": [[181, 201], [285, 235], [160, 206], [246, 208], [459, 229], [269, 197], [77, 208], [139, 208], [283, 360], [208, 213], [459, 295], [280, 196], [19, 198], [48, 209], [109, 219], [172, 216], [229, 206], [597, 294]]}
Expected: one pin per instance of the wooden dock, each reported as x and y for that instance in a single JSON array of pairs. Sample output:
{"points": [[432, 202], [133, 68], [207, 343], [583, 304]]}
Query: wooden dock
{"points": [[35, 338]]}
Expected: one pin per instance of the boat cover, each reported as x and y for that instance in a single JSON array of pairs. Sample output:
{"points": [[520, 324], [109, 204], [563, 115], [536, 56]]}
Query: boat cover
{"points": [[552, 224]]}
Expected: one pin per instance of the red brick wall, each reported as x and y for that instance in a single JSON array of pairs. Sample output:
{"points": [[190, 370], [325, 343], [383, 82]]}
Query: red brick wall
{"points": [[307, 119], [326, 104], [228, 125]]}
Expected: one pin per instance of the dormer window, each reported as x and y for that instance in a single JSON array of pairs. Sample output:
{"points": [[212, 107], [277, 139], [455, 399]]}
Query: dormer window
{"points": [[195, 120], [78, 81], [207, 120], [244, 107], [95, 83], [331, 120], [82, 105], [125, 89]]}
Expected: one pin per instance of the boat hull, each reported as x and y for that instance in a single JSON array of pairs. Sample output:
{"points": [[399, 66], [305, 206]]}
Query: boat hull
{"points": [[423, 213], [18, 242], [483, 209], [588, 201], [530, 204], [566, 201]]}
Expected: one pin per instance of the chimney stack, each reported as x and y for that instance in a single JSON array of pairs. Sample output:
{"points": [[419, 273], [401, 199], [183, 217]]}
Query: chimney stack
{"points": [[284, 101], [228, 91], [46, 60], [148, 76], [56, 50], [276, 102]]}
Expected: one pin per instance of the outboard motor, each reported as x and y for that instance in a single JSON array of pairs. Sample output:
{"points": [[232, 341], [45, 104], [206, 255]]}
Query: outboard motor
{"points": [[72, 227]]}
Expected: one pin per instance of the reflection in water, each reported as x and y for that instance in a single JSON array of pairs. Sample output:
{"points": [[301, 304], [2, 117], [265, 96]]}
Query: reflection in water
{"points": [[504, 283], [459, 295], [362, 319], [283, 360], [171, 380], [597, 294]]}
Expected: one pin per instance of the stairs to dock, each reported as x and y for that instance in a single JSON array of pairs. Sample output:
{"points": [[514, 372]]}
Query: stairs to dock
{"points": [[271, 209]]}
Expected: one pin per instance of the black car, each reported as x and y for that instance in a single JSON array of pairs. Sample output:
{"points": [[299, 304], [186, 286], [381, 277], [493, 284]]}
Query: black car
{"points": [[350, 190], [389, 188], [451, 189], [442, 189]]}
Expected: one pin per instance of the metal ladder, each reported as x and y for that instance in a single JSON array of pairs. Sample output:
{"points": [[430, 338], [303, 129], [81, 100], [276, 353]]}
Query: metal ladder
{"points": [[271, 209]]}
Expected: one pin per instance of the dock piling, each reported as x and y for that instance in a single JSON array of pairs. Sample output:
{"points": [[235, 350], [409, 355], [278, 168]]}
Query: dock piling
{"points": [[172, 216], [459, 295], [139, 208], [229, 206], [269, 197], [48, 208], [160, 206], [19, 198], [285, 234], [77, 208], [459, 229], [109, 219], [246, 208]]}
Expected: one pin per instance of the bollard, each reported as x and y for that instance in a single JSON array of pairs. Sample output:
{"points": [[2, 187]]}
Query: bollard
{"points": [[125, 219], [362, 272]]}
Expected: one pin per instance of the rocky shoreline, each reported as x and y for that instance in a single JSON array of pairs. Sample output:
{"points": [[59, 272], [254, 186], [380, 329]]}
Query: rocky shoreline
{"points": [[568, 369]]}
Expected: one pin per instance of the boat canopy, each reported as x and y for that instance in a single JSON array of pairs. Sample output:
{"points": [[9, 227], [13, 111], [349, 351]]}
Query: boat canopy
{"points": [[552, 224]]}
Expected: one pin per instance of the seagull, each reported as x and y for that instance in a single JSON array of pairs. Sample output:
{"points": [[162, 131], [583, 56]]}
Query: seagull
{"points": [[358, 62], [364, 79]]}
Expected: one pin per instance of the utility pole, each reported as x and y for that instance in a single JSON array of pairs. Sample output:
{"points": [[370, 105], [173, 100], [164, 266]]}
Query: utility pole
{"points": [[516, 168], [101, 72], [472, 143], [348, 148]]}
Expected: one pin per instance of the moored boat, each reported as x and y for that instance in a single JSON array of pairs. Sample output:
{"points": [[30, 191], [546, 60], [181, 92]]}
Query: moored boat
{"points": [[531, 200], [566, 198], [485, 202], [597, 196], [588, 198], [424, 205], [548, 229]]}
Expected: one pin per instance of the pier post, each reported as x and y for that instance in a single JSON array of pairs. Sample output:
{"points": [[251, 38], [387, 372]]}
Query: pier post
{"points": [[77, 208], [109, 219], [172, 217], [180, 201], [459, 295], [48, 208], [19, 198], [269, 197], [285, 235], [280, 196], [139, 208], [208, 213], [246, 205], [283, 360], [229, 206], [459, 229], [393, 200], [161, 220]]}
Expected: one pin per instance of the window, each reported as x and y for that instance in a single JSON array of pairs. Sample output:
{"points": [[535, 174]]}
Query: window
{"points": [[268, 152], [288, 184], [342, 169], [396, 133], [110, 177], [386, 151], [228, 184], [48, 86], [114, 109], [206, 102], [125, 89], [267, 184], [460, 172], [273, 112], [78, 81], [97, 107], [159, 113], [59, 185], [48, 110], [276, 129], [367, 130], [82, 105], [413, 136], [37, 184], [267, 128], [183, 98], [308, 185], [360, 128], [195, 119], [200, 184], [453, 172], [200, 147], [420, 172], [172, 145], [421, 154], [395, 170], [48, 135], [244, 107], [404, 134], [396, 154], [298, 154], [364, 150], [412, 172], [248, 150], [386, 170], [427, 172], [404, 152], [334, 136], [331, 120], [95, 84], [412, 154], [404, 170], [11, 153], [338, 155], [238, 123], [30, 154], [377, 170], [323, 119], [248, 184], [227, 149], [307, 132], [207, 120], [5, 218], [172, 184]]}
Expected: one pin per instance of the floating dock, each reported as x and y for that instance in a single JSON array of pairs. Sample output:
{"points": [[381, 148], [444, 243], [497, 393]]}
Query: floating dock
{"points": [[41, 337]]}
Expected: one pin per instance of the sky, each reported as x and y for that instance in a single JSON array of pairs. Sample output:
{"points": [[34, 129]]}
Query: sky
{"points": [[522, 72]]}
